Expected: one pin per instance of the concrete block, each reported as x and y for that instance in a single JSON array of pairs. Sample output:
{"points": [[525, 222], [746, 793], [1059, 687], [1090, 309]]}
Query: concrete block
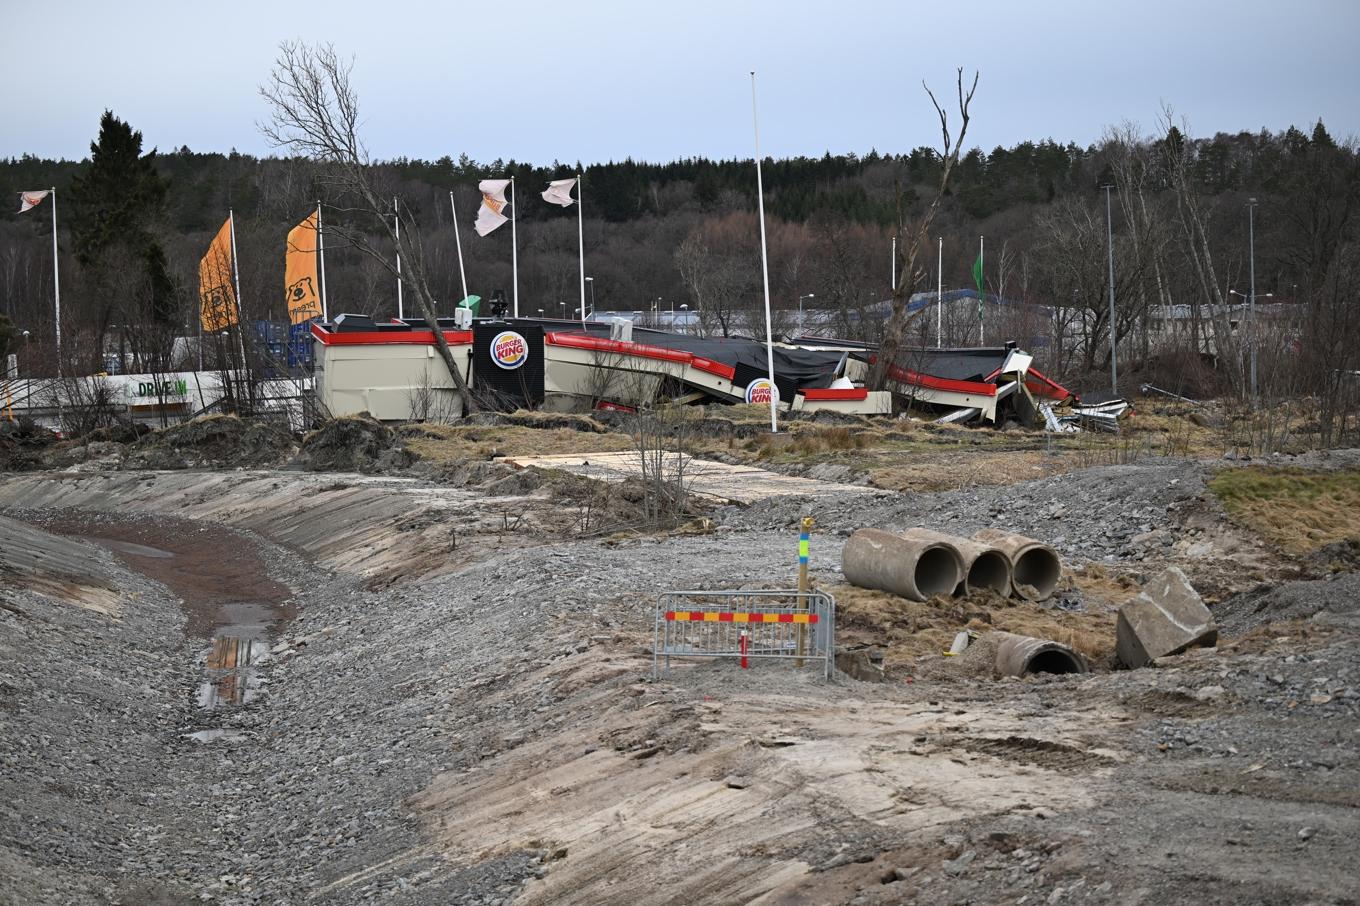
{"points": [[1166, 618]]}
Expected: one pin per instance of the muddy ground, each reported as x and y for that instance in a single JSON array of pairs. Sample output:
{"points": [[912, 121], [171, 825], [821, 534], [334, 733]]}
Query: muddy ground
{"points": [[451, 701]]}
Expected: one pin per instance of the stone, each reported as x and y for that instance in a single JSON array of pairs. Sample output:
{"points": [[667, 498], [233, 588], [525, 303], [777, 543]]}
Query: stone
{"points": [[1166, 618], [958, 866]]}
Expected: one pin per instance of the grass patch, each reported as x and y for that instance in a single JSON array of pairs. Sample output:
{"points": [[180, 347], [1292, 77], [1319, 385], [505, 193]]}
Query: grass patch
{"points": [[1295, 509]]}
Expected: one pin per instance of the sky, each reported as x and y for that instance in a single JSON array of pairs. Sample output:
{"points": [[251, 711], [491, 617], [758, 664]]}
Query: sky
{"points": [[597, 81]]}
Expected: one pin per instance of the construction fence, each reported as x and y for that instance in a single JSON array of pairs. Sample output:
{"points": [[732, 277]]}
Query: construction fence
{"points": [[760, 624]]}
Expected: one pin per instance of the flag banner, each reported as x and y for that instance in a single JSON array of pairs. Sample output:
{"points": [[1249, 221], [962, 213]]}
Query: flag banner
{"points": [[490, 215], [217, 298], [559, 192], [31, 199], [300, 272], [977, 278]]}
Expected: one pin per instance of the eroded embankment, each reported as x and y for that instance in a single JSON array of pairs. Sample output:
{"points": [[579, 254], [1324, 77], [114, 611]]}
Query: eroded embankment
{"points": [[482, 728]]}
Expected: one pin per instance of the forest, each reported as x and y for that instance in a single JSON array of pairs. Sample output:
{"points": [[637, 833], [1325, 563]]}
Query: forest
{"points": [[133, 223]]}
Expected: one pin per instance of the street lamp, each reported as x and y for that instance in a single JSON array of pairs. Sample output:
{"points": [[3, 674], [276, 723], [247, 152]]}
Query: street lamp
{"points": [[1251, 301], [564, 310], [684, 307], [1251, 331], [591, 281], [656, 303], [540, 312], [813, 296], [1109, 240]]}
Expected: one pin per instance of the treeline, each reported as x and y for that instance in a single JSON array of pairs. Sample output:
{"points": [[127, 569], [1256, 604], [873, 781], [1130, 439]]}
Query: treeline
{"points": [[665, 234]]}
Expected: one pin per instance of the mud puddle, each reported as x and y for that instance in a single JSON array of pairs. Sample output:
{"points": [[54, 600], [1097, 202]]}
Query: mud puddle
{"points": [[224, 587]]}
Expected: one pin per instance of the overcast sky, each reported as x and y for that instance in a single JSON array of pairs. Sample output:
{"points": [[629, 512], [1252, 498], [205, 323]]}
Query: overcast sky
{"points": [[595, 81]]}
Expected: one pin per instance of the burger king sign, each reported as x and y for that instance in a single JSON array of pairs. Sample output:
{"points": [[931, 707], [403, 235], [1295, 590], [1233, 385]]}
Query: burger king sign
{"points": [[761, 391], [509, 350]]}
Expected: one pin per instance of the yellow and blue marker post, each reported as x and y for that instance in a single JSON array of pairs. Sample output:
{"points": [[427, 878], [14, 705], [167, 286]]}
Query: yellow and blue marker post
{"points": [[803, 585]]}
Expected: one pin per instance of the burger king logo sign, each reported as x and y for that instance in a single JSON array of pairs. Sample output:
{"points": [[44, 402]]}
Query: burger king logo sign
{"points": [[761, 391], [509, 350]]}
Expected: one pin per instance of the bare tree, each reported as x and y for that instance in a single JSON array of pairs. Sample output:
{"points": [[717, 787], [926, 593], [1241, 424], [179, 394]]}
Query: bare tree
{"points": [[314, 112], [911, 240]]}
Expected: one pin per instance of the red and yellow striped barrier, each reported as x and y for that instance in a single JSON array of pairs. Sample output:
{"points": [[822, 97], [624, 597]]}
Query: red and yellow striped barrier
{"points": [[716, 616]]}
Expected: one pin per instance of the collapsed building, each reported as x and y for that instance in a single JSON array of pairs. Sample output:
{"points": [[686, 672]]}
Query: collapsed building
{"points": [[391, 370]]}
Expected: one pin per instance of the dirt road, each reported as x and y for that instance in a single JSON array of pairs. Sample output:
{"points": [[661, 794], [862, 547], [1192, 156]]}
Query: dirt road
{"points": [[481, 726]]}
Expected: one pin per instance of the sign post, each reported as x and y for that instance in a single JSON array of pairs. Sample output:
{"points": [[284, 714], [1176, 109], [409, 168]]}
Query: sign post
{"points": [[803, 589]]}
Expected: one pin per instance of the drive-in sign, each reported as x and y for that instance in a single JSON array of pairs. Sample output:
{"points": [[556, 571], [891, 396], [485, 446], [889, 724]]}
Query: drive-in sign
{"points": [[761, 391], [509, 350]]}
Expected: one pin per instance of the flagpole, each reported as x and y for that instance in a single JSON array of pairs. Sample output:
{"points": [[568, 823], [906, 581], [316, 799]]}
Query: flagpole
{"points": [[764, 264], [321, 261], [56, 278], [581, 240], [939, 298], [514, 244], [396, 216], [459, 243], [236, 277], [982, 293]]}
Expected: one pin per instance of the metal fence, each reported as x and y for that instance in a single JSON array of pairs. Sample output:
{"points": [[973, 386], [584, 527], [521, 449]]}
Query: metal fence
{"points": [[765, 624]]}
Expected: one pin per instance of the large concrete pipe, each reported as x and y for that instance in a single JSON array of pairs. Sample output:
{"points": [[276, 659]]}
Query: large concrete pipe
{"points": [[911, 568], [1017, 655], [1035, 568], [984, 566]]}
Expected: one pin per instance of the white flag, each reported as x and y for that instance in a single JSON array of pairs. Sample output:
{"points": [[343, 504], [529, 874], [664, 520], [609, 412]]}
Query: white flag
{"points": [[489, 215], [559, 192], [29, 199]]}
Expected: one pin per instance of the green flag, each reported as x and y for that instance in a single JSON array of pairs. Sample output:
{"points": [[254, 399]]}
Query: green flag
{"points": [[977, 278]]}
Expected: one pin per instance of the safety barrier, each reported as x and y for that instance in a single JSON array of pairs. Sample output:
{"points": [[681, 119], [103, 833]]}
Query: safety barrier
{"points": [[758, 623]]}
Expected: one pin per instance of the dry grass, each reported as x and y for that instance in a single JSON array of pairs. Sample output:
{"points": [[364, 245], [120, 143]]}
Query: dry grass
{"points": [[911, 629], [1299, 511], [454, 443]]}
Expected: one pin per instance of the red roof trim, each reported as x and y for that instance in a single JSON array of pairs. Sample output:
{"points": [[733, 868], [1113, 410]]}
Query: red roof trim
{"points": [[826, 393], [1041, 385], [948, 385], [386, 338], [642, 350]]}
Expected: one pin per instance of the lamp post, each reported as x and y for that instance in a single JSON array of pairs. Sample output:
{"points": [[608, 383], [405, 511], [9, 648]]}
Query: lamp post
{"points": [[1250, 297], [564, 310], [591, 281], [1109, 241], [1251, 301], [813, 296], [28, 357], [684, 307], [540, 312], [656, 303]]}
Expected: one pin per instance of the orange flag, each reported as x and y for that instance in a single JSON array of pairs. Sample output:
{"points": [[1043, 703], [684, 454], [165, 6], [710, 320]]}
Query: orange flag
{"points": [[299, 272], [217, 297]]}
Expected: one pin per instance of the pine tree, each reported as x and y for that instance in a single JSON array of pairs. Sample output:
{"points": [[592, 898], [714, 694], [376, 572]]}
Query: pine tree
{"points": [[117, 201]]}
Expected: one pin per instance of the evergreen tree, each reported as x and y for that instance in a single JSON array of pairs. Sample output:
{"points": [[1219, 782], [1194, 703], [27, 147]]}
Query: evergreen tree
{"points": [[117, 201]]}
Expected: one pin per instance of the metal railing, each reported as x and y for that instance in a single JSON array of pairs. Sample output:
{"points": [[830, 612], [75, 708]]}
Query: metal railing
{"points": [[758, 623]]}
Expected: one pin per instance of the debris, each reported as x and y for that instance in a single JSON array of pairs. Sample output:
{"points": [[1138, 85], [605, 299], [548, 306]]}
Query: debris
{"points": [[1166, 618], [1307, 833], [354, 443]]}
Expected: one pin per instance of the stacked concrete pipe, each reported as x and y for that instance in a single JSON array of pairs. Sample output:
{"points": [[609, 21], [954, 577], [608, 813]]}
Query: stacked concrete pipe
{"points": [[1035, 568], [984, 566], [914, 568]]}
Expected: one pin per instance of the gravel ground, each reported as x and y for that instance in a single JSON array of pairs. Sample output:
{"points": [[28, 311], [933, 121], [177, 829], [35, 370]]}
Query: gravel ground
{"points": [[1236, 784]]}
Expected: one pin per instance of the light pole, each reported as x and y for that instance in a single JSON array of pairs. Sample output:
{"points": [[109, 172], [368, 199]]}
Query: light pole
{"points": [[564, 310], [813, 296], [684, 307], [1251, 301], [28, 356], [1109, 241], [672, 315], [1250, 298], [656, 303], [540, 312], [591, 281]]}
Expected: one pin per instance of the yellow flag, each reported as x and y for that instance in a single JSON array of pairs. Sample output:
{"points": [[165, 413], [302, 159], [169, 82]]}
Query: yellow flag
{"points": [[299, 272], [217, 298]]}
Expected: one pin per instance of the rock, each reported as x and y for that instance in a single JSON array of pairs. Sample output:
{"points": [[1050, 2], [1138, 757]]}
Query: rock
{"points": [[1166, 618], [1209, 693], [1307, 833], [956, 867]]}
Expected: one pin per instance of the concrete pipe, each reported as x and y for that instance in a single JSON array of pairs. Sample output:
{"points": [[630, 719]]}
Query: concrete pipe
{"points": [[1035, 568], [911, 568], [1018, 655], [984, 566]]}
